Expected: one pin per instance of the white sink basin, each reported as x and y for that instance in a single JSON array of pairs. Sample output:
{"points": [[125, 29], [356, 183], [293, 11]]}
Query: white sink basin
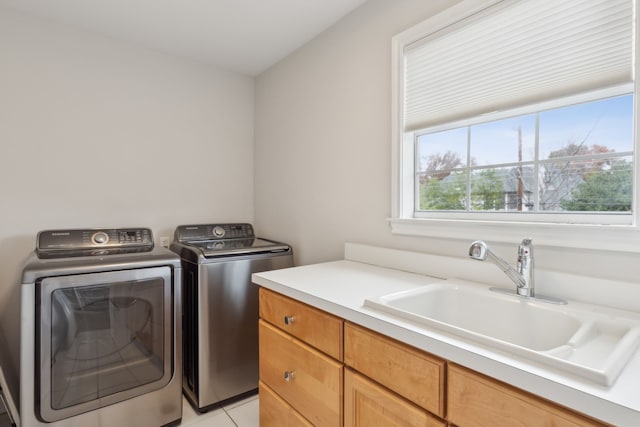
{"points": [[486, 314], [593, 342]]}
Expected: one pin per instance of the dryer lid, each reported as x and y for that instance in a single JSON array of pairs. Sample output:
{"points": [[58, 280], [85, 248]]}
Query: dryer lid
{"points": [[218, 240], [226, 247]]}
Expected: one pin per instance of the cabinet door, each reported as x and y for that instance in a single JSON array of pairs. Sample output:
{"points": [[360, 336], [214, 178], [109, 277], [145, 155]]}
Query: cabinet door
{"points": [[413, 374], [310, 381], [275, 412], [368, 404], [315, 327], [478, 401]]}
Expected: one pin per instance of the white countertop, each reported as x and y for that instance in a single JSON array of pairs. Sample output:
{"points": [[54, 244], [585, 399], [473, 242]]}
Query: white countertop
{"points": [[340, 288]]}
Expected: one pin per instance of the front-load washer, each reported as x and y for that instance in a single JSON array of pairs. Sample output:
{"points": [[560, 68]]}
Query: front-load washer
{"points": [[220, 350], [101, 333]]}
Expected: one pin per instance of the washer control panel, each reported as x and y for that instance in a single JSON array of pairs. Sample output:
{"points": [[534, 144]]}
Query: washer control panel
{"points": [[201, 232], [51, 240]]}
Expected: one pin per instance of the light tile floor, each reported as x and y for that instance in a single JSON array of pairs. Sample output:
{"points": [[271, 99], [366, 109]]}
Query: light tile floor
{"points": [[239, 414]]}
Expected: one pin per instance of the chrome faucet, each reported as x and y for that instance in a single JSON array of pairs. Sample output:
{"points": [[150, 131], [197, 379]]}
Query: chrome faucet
{"points": [[522, 275]]}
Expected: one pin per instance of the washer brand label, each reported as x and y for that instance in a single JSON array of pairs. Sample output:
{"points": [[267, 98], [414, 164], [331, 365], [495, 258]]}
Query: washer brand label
{"points": [[61, 234]]}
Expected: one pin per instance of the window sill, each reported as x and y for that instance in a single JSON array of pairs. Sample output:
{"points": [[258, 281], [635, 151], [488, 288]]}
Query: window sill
{"points": [[622, 238]]}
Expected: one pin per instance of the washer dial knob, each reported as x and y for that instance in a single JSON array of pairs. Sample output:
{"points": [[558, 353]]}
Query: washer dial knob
{"points": [[218, 231], [100, 238]]}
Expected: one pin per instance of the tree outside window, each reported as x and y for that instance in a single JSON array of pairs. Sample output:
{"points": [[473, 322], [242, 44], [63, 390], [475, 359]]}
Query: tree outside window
{"points": [[533, 163]]}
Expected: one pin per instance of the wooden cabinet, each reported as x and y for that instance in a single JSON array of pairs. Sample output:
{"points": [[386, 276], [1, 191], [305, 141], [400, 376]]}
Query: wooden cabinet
{"points": [[413, 374], [383, 382], [369, 404], [274, 411], [309, 380], [476, 400], [298, 377], [315, 327]]}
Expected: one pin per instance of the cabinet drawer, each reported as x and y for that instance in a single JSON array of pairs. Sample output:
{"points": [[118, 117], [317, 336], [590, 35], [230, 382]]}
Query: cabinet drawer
{"points": [[476, 400], [368, 404], [414, 374], [313, 326], [310, 381], [275, 412]]}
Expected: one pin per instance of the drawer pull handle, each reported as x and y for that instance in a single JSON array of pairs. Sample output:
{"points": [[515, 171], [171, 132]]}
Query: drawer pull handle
{"points": [[289, 376], [288, 320]]}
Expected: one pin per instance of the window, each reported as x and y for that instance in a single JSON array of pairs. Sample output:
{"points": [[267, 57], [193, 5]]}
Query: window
{"points": [[564, 160], [516, 112]]}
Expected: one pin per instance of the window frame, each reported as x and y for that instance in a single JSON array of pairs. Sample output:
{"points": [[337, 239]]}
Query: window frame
{"points": [[574, 231]]}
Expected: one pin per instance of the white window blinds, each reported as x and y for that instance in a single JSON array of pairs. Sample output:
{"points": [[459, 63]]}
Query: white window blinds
{"points": [[517, 53]]}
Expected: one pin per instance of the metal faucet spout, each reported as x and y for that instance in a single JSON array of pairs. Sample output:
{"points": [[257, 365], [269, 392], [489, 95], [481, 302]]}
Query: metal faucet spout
{"points": [[522, 277]]}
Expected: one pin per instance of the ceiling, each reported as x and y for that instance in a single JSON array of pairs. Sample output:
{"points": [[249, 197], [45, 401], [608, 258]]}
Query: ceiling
{"points": [[245, 36]]}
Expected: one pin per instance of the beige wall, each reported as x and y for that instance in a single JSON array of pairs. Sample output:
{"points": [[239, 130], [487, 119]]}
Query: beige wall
{"points": [[323, 127], [323, 148], [99, 133]]}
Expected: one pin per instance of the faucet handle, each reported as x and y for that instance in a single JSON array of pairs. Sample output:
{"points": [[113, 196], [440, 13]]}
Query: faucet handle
{"points": [[525, 267], [525, 249], [527, 241]]}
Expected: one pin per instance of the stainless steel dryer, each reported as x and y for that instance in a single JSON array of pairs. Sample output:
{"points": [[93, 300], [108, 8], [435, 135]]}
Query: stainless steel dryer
{"points": [[221, 308], [99, 342]]}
